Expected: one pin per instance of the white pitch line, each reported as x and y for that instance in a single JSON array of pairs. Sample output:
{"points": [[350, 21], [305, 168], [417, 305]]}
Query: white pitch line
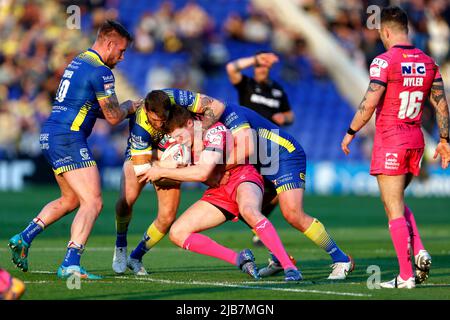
{"points": [[240, 286]]}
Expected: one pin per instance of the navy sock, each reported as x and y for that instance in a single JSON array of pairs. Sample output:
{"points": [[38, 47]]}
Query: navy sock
{"points": [[31, 232], [72, 257], [121, 240], [139, 252]]}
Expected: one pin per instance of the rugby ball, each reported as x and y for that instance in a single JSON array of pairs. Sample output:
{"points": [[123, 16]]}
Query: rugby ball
{"points": [[178, 153]]}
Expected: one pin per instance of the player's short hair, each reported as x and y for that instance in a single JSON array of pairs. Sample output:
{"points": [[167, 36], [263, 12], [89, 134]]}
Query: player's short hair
{"points": [[109, 27], [178, 118], [158, 102], [395, 16]]}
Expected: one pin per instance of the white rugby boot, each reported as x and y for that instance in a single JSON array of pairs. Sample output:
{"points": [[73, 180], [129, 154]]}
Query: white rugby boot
{"points": [[119, 263], [340, 270], [422, 263], [136, 266], [399, 283]]}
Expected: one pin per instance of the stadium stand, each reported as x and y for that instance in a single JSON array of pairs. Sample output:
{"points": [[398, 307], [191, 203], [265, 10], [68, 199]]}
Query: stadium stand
{"points": [[186, 44]]}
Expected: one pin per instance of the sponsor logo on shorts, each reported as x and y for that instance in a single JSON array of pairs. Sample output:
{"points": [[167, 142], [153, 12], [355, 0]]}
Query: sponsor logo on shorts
{"points": [[283, 179], [84, 154], [63, 161], [391, 161]]}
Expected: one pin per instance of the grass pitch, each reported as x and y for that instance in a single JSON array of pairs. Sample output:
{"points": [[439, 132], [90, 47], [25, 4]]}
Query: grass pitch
{"points": [[358, 225]]}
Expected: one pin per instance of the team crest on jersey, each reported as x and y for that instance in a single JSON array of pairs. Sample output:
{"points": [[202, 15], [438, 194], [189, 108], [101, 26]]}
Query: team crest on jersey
{"points": [[413, 69], [84, 153], [277, 93]]}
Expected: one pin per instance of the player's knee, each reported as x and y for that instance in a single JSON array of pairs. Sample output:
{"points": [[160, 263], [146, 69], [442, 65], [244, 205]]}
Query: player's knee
{"points": [[249, 212], [70, 203], [176, 235], [123, 206], [164, 222], [293, 215], [95, 202]]}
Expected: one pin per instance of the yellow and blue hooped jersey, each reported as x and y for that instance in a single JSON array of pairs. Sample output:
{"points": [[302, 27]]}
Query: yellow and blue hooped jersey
{"points": [[143, 138], [86, 80]]}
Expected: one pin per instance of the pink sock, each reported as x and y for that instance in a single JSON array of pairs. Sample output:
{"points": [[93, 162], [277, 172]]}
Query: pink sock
{"points": [[400, 238], [416, 241], [199, 243], [269, 236]]}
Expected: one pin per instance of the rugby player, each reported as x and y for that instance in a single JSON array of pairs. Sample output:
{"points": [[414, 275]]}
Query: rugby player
{"points": [[400, 81], [11, 288], [85, 93], [145, 142], [262, 137], [241, 196]]}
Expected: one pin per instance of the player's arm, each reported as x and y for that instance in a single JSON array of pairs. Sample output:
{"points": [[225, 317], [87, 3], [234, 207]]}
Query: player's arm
{"points": [[439, 103], [212, 109], [365, 111], [234, 67], [243, 148], [114, 112], [199, 172], [103, 83]]}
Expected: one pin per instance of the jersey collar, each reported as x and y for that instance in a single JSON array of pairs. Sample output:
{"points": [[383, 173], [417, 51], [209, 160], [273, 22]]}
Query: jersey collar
{"points": [[96, 53], [405, 46]]}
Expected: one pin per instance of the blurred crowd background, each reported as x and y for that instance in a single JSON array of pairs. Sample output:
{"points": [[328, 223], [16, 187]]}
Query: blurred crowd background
{"points": [[186, 44]]}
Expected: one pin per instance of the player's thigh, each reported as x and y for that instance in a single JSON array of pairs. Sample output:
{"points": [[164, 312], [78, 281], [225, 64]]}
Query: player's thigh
{"points": [[168, 200], [85, 182], [249, 198], [392, 194], [197, 218], [291, 202], [130, 188]]}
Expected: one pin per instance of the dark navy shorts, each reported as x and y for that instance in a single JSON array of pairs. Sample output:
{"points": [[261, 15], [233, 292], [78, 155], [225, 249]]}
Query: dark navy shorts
{"points": [[291, 171], [66, 151]]}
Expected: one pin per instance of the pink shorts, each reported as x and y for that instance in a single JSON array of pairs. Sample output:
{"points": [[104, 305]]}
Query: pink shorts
{"points": [[393, 161], [224, 196]]}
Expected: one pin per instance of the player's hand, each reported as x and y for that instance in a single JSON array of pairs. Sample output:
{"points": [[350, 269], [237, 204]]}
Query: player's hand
{"points": [[214, 179], [225, 178], [266, 59], [152, 174], [279, 118], [346, 142], [132, 106], [443, 149]]}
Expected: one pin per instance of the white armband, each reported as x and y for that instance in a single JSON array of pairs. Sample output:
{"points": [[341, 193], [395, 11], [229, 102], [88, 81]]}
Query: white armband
{"points": [[141, 168]]}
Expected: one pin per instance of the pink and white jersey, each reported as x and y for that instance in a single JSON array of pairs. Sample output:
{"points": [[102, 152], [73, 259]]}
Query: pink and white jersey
{"points": [[408, 74], [215, 138]]}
